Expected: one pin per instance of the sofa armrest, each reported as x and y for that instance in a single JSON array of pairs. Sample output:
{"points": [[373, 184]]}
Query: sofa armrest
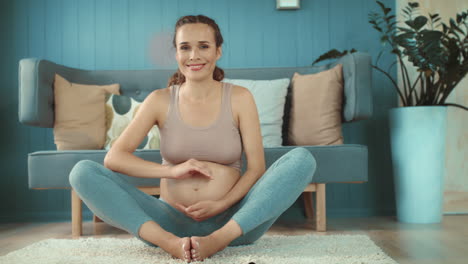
{"points": [[36, 90], [357, 75]]}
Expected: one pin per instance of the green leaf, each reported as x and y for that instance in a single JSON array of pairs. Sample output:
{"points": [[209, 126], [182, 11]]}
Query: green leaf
{"points": [[410, 23], [454, 27], [382, 6], [383, 39], [419, 22], [389, 18], [409, 10], [413, 4], [452, 23], [332, 54], [431, 35], [396, 51], [444, 28], [406, 39], [405, 29]]}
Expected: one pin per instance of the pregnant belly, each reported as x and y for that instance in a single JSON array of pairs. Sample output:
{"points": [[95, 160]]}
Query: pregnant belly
{"points": [[199, 188]]}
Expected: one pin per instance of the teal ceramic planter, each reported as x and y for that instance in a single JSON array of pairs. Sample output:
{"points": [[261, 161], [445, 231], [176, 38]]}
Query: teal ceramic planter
{"points": [[418, 157]]}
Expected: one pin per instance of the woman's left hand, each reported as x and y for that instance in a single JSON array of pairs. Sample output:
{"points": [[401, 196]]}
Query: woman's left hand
{"points": [[203, 210]]}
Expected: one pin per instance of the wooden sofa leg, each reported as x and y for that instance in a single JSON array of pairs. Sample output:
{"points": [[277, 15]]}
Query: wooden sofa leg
{"points": [[96, 219], [77, 211], [308, 206], [320, 208]]}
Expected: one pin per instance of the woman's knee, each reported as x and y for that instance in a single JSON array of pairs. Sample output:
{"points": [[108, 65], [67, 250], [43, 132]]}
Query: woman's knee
{"points": [[305, 159], [82, 170], [301, 153]]}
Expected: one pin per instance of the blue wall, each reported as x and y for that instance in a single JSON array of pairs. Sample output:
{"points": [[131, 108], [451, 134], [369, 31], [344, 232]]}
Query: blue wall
{"points": [[104, 34]]}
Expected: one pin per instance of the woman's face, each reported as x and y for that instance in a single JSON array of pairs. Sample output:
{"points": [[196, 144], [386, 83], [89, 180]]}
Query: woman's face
{"points": [[196, 52]]}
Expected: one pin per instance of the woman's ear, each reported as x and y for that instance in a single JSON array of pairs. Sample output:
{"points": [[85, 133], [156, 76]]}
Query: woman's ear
{"points": [[219, 52]]}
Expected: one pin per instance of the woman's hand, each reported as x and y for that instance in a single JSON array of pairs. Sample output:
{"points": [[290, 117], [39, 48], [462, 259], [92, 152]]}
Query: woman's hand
{"points": [[202, 210], [190, 168]]}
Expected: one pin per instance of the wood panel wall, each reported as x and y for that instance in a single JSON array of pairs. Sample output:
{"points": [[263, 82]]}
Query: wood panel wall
{"points": [[120, 34]]}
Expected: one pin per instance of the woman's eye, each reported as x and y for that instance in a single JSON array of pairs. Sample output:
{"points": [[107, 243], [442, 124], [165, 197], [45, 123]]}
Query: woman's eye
{"points": [[187, 47]]}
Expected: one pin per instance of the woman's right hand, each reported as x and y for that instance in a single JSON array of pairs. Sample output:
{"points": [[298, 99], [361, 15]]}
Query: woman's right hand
{"points": [[189, 169]]}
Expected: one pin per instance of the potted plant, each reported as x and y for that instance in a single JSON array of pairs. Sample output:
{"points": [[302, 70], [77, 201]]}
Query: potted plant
{"points": [[439, 53]]}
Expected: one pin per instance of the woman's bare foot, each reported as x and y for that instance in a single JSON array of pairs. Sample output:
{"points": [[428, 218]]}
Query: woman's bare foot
{"points": [[174, 245], [178, 248], [207, 246], [204, 247]]}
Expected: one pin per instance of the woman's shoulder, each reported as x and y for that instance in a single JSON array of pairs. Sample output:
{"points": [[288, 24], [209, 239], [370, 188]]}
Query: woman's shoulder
{"points": [[160, 95], [240, 93], [158, 100]]}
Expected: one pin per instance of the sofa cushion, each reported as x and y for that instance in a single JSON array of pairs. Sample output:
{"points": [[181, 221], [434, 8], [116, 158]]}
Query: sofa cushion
{"points": [[270, 96], [120, 110], [80, 114], [316, 107], [50, 169]]}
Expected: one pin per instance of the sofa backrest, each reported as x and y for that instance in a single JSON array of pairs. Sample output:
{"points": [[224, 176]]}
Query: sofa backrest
{"points": [[36, 78]]}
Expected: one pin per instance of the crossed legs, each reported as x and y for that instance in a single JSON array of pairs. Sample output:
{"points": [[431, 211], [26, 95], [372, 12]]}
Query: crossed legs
{"points": [[155, 222]]}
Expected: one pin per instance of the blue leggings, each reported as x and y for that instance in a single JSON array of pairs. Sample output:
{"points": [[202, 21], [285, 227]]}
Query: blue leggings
{"points": [[109, 196]]}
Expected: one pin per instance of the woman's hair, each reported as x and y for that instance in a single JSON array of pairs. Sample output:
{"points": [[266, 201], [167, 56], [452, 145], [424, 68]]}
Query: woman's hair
{"points": [[218, 74]]}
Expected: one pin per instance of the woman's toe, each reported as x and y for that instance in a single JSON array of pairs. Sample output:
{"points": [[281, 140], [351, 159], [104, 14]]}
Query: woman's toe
{"points": [[186, 248]]}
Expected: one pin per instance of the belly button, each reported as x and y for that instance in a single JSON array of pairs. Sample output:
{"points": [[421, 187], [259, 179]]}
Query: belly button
{"points": [[196, 189]]}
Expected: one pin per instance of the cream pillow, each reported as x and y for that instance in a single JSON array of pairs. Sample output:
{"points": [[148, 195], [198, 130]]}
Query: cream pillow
{"points": [[80, 120], [120, 110], [316, 107], [270, 97]]}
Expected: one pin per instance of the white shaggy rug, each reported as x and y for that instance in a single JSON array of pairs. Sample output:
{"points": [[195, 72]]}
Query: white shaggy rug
{"points": [[270, 249]]}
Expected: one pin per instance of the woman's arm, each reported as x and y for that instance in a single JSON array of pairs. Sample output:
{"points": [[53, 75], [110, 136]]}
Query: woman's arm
{"points": [[120, 157], [249, 126]]}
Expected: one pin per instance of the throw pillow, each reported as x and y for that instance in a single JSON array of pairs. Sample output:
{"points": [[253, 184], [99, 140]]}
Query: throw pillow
{"points": [[120, 110], [80, 121], [316, 107], [270, 96]]}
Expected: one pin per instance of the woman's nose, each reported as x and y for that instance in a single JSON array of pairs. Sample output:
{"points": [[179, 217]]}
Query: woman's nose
{"points": [[194, 54]]}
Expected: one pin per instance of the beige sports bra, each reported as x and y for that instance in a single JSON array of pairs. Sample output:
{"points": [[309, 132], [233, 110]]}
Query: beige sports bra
{"points": [[220, 142]]}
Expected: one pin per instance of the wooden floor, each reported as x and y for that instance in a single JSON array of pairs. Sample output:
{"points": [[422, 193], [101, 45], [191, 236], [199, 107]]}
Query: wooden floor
{"points": [[406, 243]]}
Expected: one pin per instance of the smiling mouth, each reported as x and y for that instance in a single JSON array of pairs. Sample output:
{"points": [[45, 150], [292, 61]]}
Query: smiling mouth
{"points": [[196, 67]]}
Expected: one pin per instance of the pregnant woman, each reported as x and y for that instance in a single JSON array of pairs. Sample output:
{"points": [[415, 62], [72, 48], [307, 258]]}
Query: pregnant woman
{"points": [[206, 202]]}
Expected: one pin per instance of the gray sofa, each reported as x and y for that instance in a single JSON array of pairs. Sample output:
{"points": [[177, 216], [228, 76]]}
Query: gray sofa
{"points": [[49, 169]]}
